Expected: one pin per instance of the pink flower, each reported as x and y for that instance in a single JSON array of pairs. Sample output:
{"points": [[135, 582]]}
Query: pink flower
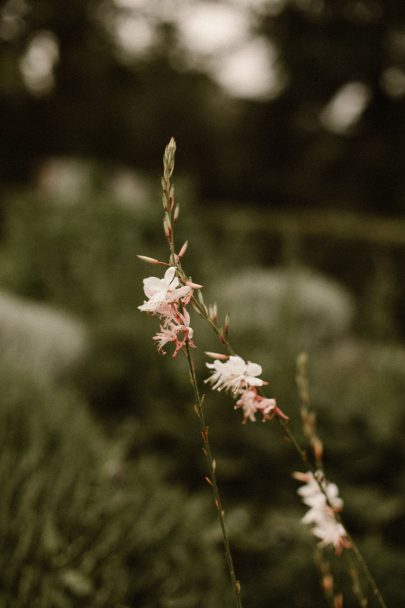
{"points": [[248, 403], [252, 403], [269, 408], [176, 331], [234, 375], [164, 293]]}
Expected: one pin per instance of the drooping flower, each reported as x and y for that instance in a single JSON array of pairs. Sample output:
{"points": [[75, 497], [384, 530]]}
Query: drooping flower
{"points": [[234, 375], [324, 504], [176, 331], [269, 408], [163, 293], [252, 403], [248, 403]]}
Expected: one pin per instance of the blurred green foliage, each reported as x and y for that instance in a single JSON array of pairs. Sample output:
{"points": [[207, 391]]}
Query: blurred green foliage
{"points": [[82, 525], [107, 507]]}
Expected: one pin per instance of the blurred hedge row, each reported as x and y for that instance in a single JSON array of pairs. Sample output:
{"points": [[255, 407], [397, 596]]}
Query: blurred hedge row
{"points": [[101, 464]]}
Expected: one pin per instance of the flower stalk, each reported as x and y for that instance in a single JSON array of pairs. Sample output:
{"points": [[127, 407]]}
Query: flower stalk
{"points": [[212, 479], [168, 299]]}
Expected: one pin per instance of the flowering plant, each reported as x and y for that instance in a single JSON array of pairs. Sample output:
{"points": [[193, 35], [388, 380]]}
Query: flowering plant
{"points": [[168, 299]]}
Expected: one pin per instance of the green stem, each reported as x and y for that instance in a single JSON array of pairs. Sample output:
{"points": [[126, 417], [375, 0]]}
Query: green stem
{"points": [[213, 479], [369, 577], [357, 587], [168, 206]]}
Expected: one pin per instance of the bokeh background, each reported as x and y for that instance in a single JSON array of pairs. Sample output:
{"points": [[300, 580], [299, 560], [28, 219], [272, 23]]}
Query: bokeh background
{"points": [[289, 117]]}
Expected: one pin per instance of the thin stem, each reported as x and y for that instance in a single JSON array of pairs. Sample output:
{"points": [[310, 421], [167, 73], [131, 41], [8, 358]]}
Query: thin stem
{"points": [[357, 587], [169, 220], [327, 579], [370, 579], [212, 480]]}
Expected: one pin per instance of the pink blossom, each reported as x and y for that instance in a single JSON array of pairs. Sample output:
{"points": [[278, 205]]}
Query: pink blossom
{"points": [[248, 403], [252, 403], [269, 408], [176, 331]]}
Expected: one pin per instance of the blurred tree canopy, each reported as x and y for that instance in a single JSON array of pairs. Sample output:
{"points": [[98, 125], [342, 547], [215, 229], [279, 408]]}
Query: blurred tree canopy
{"points": [[293, 148]]}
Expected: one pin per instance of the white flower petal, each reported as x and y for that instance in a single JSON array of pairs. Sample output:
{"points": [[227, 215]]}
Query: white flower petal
{"points": [[152, 286], [253, 369], [169, 275]]}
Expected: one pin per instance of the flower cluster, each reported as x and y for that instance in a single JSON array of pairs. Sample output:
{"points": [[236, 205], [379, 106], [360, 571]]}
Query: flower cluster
{"points": [[167, 300], [240, 379], [322, 498]]}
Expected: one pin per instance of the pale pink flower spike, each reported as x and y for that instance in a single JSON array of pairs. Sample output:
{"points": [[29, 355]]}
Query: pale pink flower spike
{"points": [[322, 512]]}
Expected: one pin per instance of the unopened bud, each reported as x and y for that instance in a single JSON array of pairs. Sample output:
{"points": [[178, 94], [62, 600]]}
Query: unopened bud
{"points": [[300, 476], [227, 323], [146, 258], [317, 446], [167, 228], [213, 312], [193, 285], [168, 158], [171, 198], [327, 583], [183, 249], [338, 601], [216, 355]]}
